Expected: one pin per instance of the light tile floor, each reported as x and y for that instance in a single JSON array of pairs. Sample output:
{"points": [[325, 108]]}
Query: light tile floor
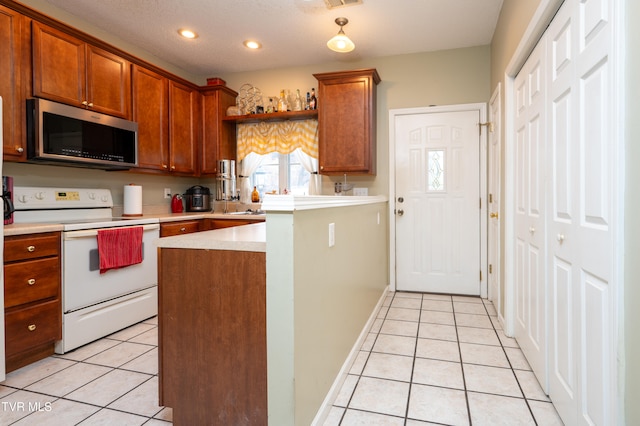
{"points": [[112, 381], [428, 359], [439, 359]]}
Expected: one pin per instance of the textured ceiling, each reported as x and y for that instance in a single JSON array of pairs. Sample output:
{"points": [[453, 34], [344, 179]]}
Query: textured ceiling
{"points": [[292, 32]]}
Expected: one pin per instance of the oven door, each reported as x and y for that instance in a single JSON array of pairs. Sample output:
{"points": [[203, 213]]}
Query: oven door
{"points": [[83, 285]]}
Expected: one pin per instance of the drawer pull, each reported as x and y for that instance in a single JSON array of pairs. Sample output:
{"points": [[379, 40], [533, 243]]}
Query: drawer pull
{"points": [[31, 281], [31, 249], [32, 327]]}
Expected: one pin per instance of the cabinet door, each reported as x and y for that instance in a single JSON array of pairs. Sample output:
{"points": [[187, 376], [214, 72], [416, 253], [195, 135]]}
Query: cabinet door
{"points": [[346, 121], [184, 134], [58, 66], [219, 137], [108, 83], [15, 68], [151, 112]]}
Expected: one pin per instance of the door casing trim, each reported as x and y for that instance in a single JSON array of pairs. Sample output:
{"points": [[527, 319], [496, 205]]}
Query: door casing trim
{"points": [[481, 108]]}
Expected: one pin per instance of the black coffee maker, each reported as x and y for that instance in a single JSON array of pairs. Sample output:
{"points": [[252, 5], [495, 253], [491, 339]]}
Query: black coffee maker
{"points": [[7, 199]]}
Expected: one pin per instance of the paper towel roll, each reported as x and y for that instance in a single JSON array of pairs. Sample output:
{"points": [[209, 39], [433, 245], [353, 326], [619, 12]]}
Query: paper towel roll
{"points": [[132, 200]]}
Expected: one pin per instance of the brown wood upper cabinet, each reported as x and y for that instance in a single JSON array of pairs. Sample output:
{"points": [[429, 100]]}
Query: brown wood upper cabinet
{"points": [[219, 138], [168, 117], [185, 133], [347, 121], [68, 70], [151, 112], [15, 70]]}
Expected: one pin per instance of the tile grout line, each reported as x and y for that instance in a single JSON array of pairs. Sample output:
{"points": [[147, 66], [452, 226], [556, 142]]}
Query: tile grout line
{"points": [[413, 363], [524, 396], [100, 407], [464, 378], [346, 408]]}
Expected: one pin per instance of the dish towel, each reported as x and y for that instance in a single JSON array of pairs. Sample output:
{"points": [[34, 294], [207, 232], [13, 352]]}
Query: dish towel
{"points": [[119, 247]]}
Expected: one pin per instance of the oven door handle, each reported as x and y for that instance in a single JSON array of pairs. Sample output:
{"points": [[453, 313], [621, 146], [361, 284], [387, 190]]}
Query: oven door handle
{"points": [[71, 235]]}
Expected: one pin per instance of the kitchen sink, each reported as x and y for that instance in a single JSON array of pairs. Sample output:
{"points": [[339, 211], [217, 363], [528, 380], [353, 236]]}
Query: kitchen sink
{"points": [[247, 212]]}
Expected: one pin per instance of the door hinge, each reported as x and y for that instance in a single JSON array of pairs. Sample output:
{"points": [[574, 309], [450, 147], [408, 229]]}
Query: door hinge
{"points": [[491, 198], [480, 203], [488, 125], [490, 268], [480, 275]]}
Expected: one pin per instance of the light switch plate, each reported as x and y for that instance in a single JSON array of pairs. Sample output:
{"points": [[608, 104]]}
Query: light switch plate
{"points": [[332, 234]]}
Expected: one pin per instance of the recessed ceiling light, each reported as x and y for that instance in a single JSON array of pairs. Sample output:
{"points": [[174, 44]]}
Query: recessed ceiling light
{"points": [[252, 44], [187, 33]]}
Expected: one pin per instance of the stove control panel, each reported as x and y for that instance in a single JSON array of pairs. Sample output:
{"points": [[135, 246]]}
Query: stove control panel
{"points": [[41, 198]]}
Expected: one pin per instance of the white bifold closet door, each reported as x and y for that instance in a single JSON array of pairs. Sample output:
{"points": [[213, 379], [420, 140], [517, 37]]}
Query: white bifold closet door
{"points": [[564, 212], [581, 199], [530, 233]]}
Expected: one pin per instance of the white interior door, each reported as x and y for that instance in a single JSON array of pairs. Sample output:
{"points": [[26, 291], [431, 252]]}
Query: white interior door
{"points": [[582, 196], [565, 143], [494, 200], [437, 178], [530, 233]]}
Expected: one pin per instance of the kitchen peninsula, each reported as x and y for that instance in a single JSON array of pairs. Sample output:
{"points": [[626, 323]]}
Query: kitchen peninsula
{"points": [[257, 322]]}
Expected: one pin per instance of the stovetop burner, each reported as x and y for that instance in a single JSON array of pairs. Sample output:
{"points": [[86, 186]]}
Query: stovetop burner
{"points": [[74, 208]]}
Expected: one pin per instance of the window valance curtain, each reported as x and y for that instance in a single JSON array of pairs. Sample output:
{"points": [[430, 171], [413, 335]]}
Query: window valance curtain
{"points": [[278, 136]]}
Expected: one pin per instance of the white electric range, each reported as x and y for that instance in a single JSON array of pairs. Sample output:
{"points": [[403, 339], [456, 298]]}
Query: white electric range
{"points": [[93, 304]]}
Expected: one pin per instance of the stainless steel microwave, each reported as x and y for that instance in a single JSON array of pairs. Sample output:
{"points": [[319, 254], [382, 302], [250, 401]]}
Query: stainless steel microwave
{"points": [[62, 134]]}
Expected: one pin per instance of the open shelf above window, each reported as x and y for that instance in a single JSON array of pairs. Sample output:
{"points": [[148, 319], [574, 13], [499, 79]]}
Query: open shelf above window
{"points": [[274, 116]]}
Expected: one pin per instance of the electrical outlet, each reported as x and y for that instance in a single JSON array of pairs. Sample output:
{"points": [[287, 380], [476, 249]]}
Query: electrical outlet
{"points": [[360, 192], [167, 193], [332, 234]]}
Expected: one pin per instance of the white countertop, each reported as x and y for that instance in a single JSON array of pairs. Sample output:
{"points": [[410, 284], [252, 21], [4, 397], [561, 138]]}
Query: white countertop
{"points": [[35, 228], [240, 238]]}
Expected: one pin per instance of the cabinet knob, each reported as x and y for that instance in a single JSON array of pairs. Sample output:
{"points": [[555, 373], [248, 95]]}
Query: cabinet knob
{"points": [[173, 167], [19, 149], [183, 229], [90, 104], [31, 249], [321, 167], [31, 281], [84, 103], [164, 166], [31, 327]]}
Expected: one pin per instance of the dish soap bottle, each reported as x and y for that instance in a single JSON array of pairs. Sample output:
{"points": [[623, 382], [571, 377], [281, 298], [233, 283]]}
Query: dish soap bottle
{"points": [[255, 195]]}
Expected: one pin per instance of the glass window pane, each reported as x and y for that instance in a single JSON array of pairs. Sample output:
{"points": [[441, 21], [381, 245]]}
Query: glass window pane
{"points": [[266, 176], [435, 168], [298, 176], [272, 175]]}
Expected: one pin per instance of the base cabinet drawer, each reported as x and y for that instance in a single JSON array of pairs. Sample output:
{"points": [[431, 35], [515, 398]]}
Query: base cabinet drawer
{"points": [[31, 247], [32, 326], [27, 282], [179, 228]]}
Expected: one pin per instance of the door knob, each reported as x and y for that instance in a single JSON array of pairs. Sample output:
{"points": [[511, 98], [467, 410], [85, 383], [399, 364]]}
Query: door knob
{"points": [[560, 238], [493, 215], [401, 199], [400, 212]]}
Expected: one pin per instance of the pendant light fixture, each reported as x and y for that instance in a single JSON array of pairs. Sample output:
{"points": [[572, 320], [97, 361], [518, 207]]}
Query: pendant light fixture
{"points": [[340, 42]]}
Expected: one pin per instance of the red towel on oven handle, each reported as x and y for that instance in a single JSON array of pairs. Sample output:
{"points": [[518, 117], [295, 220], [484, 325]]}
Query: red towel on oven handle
{"points": [[119, 247]]}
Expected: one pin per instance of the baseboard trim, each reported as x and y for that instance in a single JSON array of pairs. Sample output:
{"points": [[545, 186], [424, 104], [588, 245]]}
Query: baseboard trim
{"points": [[325, 408]]}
